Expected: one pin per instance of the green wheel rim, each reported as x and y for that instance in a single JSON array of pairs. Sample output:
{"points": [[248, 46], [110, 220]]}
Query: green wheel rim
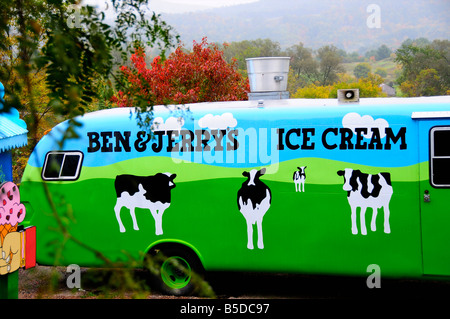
{"points": [[176, 272]]}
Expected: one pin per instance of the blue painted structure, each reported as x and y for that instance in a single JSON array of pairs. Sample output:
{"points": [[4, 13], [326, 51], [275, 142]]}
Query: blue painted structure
{"points": [[13, 134]]}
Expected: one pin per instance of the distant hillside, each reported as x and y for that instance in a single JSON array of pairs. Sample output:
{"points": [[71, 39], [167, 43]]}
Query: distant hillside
{"points": [[319, 22], [388, 65]]}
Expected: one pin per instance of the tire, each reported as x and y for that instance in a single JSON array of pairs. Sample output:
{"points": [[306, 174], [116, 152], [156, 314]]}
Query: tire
{"points": [[174, 270]]}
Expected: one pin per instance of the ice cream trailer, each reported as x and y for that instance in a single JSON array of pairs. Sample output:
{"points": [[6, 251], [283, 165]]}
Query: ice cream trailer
{"points": [[289, 185]]}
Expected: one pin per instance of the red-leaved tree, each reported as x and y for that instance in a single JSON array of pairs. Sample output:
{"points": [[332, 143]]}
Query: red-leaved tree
{"points": [[201, 75]]}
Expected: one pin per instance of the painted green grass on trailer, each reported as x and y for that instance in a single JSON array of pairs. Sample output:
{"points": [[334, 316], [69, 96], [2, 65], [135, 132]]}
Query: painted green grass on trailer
{"points": [[313, 236]]}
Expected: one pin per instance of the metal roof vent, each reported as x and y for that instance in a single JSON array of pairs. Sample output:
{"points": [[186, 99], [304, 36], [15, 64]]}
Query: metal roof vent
{"points": [[268, 77], [348, 96]]}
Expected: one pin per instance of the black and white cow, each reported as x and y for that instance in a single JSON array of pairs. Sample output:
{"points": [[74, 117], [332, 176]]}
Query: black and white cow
{"points": [[299, 179], [366, 190], [152, 192], [254, 200]]}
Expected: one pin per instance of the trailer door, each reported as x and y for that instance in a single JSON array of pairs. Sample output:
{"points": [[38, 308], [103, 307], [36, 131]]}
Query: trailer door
{"points": [[434, 145]]}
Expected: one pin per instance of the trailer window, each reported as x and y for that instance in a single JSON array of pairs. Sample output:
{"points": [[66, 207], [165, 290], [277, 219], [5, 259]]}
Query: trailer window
{"points": [[62, 166], [440, 156]]}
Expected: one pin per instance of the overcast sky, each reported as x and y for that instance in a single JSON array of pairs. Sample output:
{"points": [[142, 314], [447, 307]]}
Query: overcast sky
{"points": [[177, 6]]}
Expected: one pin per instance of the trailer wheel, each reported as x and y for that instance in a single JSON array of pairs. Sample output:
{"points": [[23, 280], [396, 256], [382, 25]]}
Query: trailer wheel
{"points": [[174, 270]]}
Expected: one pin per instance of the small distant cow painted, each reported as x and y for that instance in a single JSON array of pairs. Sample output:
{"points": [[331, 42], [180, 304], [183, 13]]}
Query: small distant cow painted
{"points": [[151, 192], [299, 179], [366, 190], [254, 200]]}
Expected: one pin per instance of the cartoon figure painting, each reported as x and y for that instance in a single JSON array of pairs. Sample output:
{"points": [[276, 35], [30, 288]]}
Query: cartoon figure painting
{"points": [[254, 199], [299, 179], [151, 192], [17, 248], [366, 190]]}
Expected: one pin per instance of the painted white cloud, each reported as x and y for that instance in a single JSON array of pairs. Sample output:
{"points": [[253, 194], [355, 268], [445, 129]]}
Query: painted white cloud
{"points": [[217, 122], [171, 124], [354, 120]]}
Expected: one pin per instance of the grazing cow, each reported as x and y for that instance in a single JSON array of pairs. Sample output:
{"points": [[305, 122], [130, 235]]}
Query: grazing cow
{"points": [[366, 190], [152, 192], [299, 179], [254, 200]]}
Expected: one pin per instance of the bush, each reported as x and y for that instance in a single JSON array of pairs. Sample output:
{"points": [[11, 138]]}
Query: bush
{"points": [[184, 77], [368, 87]]}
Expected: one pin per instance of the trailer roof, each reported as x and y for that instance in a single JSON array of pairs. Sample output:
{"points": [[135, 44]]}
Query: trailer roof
{"points": [[321, 102], [310, 102], [286, 103]]}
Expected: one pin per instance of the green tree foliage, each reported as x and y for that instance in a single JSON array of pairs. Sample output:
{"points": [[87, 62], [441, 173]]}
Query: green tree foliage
{"points": [[351, 57], [302, 61], [57, 59], [307, 65], [362, 70], [250, 49], [329, 64], [425, 67], [383, 52], [427, 83], [73, 47], [381, 72], [303, 65]]}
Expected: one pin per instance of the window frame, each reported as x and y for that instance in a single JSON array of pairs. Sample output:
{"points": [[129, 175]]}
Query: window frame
{"points": [[63, 178], [432, 156]]}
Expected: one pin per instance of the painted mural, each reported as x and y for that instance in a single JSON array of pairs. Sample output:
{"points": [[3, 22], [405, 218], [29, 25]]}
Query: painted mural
{"points": [[16, 246], [314, 184]]}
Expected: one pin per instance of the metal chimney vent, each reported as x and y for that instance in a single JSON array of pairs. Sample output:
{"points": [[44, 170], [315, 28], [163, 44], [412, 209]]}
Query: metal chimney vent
{"points": [[268, 78]]}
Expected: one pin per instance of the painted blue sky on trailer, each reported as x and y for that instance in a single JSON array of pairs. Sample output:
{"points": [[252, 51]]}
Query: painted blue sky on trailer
{"points": [[237, 134]]}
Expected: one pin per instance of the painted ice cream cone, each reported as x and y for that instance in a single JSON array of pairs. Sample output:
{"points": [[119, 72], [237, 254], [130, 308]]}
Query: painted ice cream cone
{"points": [[12, 212], [4, 230]]}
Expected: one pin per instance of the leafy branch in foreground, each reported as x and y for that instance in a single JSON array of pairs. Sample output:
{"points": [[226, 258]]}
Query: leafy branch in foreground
{"points": [[74, 58]]}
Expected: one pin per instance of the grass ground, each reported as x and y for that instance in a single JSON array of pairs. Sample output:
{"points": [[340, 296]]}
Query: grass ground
{"points": [[43, 282]]}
